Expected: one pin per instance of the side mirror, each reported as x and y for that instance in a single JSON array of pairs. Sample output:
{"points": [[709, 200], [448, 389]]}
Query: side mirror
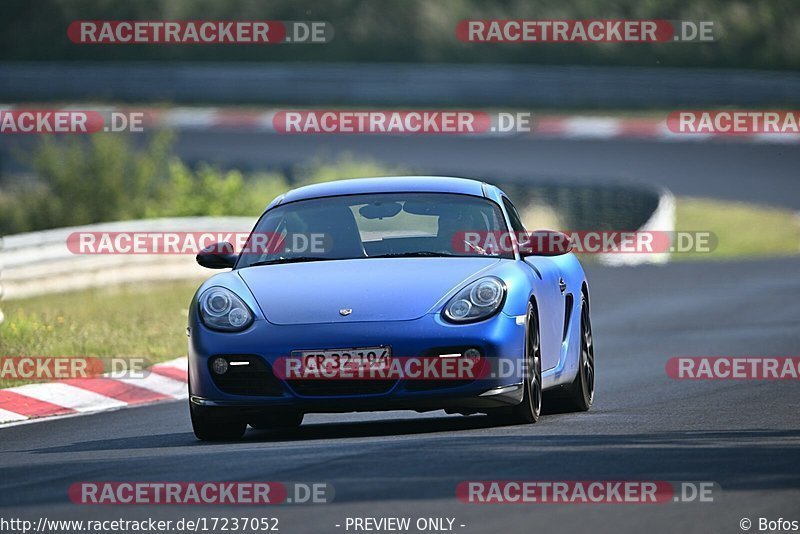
{"points": [[217, 256], [546, 243]]}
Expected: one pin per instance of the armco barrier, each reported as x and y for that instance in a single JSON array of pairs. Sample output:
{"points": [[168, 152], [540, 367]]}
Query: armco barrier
{"points": [[604, 207], [591, 206], [39, 263]]}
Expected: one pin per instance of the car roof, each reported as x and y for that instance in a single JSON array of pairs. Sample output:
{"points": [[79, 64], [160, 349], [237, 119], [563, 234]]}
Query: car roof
{"points": [[387, 184]]}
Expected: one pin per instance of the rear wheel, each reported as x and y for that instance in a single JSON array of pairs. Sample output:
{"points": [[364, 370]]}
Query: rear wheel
{"points": [[215, 429], [287, 420], [530, 408], [580, 393]]}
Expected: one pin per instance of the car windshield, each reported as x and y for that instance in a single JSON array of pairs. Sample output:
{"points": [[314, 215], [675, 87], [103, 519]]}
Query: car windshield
{"points": [[376, 226]]}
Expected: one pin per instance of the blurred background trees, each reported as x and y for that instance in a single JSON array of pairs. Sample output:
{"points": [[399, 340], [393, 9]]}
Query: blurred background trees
{"points": [[758, 34]]}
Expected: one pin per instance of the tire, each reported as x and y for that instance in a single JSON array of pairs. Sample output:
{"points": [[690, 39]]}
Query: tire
{"points": [[282, 421], [207, 429], [580, 394], [529, 410]]}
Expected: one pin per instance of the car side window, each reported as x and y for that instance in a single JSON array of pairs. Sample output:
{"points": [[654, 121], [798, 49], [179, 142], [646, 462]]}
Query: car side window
{"points": [[513, 216]]}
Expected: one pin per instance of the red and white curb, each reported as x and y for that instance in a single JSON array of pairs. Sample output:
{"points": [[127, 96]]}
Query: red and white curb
{"points": [[165, 382], [542, 126]]}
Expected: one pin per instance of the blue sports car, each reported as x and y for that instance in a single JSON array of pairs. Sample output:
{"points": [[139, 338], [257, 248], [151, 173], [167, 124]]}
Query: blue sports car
{"points": [[401, 293]]}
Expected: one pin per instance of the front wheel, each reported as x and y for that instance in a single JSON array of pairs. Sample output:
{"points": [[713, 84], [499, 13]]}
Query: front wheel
{"points": [[530, 408]]}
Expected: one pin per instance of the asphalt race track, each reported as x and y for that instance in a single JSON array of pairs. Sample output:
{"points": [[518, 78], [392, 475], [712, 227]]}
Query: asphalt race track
{"points": [[744, 435]]}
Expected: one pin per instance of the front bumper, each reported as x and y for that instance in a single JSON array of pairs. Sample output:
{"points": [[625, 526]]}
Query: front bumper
{"points": [[498, 338]]}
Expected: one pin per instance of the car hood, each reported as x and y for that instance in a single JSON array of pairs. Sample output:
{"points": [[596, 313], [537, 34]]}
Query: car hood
{"points": [[376, 289]]}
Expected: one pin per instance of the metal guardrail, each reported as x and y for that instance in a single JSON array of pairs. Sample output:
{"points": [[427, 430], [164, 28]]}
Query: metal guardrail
{"points": [[39, 263], [2, 316], [396, 84]]}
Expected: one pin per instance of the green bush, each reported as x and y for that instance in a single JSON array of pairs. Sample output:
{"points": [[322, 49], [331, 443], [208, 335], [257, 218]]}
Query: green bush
{"points": [[84, 181], [210, 191], [108, 178], [344, 167]]}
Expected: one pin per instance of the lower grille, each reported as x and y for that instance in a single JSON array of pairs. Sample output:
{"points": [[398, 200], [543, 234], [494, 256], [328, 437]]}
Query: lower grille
{"points": [[255, 379], [428, 385], [332, 388]]}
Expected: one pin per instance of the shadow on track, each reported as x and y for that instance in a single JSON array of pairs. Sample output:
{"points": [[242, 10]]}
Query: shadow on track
{"points": [[428, 467]]}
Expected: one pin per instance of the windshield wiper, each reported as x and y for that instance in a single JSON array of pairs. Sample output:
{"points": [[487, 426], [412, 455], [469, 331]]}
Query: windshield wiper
{"points": [[296, 259], [418, 254]]}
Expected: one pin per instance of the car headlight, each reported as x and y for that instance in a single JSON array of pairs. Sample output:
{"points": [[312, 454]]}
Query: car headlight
{"points": [[221, 309], [479, 300]]}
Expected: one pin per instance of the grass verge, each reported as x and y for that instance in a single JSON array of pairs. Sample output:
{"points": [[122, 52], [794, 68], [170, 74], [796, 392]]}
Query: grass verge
{"points": [[142, 320], [742, 230]]}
